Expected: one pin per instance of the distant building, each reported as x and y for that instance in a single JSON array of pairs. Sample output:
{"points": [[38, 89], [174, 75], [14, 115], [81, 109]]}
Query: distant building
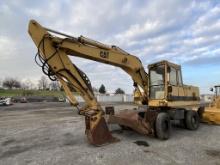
{"points": [[109, 97]]}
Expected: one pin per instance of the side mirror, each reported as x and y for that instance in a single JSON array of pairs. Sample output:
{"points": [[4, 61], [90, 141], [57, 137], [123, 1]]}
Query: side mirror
{"points": [[170, 89], [211, 89]]}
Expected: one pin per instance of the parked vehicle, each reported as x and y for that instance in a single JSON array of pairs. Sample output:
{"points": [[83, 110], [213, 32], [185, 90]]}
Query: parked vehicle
{"points": [[5, 101]]}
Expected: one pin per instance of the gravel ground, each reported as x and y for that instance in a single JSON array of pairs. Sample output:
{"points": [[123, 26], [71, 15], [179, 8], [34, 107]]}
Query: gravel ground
{"points": [[52, 133]]}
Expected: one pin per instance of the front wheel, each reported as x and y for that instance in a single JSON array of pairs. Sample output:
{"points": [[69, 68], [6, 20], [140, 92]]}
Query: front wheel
{"points": [[163, 126], [192, 120]]}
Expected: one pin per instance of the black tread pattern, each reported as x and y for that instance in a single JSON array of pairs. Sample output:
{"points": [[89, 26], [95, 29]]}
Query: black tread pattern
{"points": [[192, 120], [162, 121]]}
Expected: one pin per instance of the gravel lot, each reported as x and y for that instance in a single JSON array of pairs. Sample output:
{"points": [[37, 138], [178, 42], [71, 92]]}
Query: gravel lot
{"points": [[52, 133]]}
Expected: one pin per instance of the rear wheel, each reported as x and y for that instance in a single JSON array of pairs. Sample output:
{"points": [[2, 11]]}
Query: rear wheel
{"points": [[163, 126], [192, 120]]}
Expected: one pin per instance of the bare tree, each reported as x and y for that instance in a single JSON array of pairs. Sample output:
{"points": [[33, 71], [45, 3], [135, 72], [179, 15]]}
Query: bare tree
{"points": [[11, 83], [28, 84], [54, 85], [43, 83]]}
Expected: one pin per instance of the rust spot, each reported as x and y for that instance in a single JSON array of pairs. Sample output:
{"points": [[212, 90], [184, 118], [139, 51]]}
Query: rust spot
{"points": [[100, 135], [140, 121]]}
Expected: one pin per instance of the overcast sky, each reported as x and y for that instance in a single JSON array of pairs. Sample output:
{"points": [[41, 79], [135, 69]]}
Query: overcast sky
{"points": [[183, 31]]}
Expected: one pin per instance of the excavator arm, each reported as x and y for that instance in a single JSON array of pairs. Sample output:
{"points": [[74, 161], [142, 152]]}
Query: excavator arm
{"points": [[53, 54], [112, 55], [93, 50]]}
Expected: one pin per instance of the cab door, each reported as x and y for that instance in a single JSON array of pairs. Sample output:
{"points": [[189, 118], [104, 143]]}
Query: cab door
{"points": [[173, 91], [180, 84]]}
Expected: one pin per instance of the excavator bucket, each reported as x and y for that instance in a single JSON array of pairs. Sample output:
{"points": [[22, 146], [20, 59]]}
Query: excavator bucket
{"points": [[211, 116], [99, 134]]}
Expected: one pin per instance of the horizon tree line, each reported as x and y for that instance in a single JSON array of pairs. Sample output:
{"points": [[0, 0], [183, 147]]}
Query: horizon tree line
{"points": [[45, 84]]}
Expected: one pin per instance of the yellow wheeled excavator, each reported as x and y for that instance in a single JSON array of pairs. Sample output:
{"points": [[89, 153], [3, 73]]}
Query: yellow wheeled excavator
{"points": [[162, 89]]}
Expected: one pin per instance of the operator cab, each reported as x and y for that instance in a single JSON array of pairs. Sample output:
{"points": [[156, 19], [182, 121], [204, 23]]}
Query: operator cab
{"points": [[166, 87], [164, 78]]}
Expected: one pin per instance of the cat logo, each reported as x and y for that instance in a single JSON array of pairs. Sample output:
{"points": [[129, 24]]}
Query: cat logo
{"points": [[104, 54]]}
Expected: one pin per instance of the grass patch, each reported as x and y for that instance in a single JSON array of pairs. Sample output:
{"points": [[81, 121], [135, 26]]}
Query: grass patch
{"points": [[21, 92]]}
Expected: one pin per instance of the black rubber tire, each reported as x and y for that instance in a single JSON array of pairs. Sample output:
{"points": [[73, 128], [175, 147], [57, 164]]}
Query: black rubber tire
{"points": [[192, 120], [163, 126]]}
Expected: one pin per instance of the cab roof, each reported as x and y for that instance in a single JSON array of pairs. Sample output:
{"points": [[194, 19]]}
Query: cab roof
{"points": [[164, 62]]}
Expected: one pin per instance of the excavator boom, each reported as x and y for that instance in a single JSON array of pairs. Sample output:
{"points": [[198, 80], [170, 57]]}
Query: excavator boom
{"points": [[53, 54]]}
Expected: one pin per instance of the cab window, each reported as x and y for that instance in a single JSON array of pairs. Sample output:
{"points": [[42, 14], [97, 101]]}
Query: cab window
{"points": [[180, 81], [157, 80], [173, 76]]}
